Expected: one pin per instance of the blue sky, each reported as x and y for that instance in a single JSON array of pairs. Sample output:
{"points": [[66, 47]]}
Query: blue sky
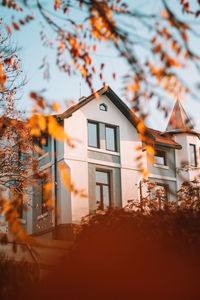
{"points": [[61, 87]]}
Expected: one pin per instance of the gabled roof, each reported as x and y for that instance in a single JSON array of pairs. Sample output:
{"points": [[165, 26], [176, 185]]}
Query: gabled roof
{"points": [[164, 139], [179, 119], [129, 114], [154, 135]]}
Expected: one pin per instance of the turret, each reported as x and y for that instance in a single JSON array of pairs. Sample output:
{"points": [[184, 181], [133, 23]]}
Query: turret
{"points": [[188, 158]]}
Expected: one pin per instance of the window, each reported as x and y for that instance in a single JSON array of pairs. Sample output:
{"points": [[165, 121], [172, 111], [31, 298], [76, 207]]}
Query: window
{"points": [[193, 157], [16, 192], [103, 189], [160, 157], [43, 198], [42, 143], [19, 157], [20, 205], [103, 107], [93, 134], [111, 140]]}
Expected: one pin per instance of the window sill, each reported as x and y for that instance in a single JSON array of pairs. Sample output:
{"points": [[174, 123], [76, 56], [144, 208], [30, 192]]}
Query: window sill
{"points": [[104, 151], [43, 216], [161, 166]]}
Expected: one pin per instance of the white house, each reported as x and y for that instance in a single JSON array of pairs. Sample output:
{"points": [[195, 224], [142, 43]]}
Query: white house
{"points": [[107, 160], [104, 162]]}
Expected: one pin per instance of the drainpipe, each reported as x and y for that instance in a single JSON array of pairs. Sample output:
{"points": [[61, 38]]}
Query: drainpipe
{"points": [[55, 184], [141, 196]]}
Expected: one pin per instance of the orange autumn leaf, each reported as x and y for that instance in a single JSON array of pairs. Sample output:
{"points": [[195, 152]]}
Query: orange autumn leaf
{"points": [[164, 14], [133, 87], [3, 77], [184, 36], [61, 45], [65, 176], [83, 71], [141, 127], [9, 29], [145, 173], [56, 107], [150, 159], [15, 25], [173, 45], [96, 95], [57, 131], [41, 121], [35, 132], [150, 150], [157, 48], [57, 4]]}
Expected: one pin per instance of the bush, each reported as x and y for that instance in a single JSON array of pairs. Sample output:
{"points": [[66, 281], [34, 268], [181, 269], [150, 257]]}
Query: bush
{"points": [[16, 279], [129, 255], [120, 255]]}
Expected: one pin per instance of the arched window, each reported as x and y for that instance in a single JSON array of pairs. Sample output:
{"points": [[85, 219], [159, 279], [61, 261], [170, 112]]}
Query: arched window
{"points": [[103, 107]]}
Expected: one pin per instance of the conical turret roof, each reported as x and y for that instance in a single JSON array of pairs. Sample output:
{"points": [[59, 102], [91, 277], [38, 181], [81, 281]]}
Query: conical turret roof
{"points": [[179, 119]]}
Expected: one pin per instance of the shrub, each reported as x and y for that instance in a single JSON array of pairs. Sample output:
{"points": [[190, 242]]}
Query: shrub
{"points": [[16, 279]]}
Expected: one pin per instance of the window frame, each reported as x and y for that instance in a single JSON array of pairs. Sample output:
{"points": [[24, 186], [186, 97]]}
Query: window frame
{"points": [[101, 204], [115, 137], [103, 105], [97, 131], [164, 157], [195, 155]]}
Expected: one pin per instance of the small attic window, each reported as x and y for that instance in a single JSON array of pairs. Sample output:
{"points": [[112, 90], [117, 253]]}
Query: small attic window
{"points": [[103, 107]]}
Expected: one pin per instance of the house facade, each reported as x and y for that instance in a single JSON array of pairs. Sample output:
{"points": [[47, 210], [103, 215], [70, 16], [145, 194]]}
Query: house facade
{"points": [[107, 160], [108, 157]]}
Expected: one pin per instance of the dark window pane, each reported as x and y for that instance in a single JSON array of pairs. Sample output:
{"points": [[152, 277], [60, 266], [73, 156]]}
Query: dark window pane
{"points": [[44, 200], [106, 202], [102, 177], [160, 158], [92, 135], [20, 206], [102, 190], [110, 139], [193, 161], [98, 195], [103, 107]]}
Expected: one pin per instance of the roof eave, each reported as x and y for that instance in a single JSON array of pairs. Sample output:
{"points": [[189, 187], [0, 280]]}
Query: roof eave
{"points": [[168, 145]]}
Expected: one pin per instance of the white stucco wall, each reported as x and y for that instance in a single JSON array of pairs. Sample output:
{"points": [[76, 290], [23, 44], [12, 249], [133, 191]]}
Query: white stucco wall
{"points": [[77, 157], [183, 155], [79, 178]]}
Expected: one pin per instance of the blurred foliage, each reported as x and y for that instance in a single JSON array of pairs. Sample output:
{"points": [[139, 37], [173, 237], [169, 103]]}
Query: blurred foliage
{"points": [[120, 254], [164, 34], [16, 278]]}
